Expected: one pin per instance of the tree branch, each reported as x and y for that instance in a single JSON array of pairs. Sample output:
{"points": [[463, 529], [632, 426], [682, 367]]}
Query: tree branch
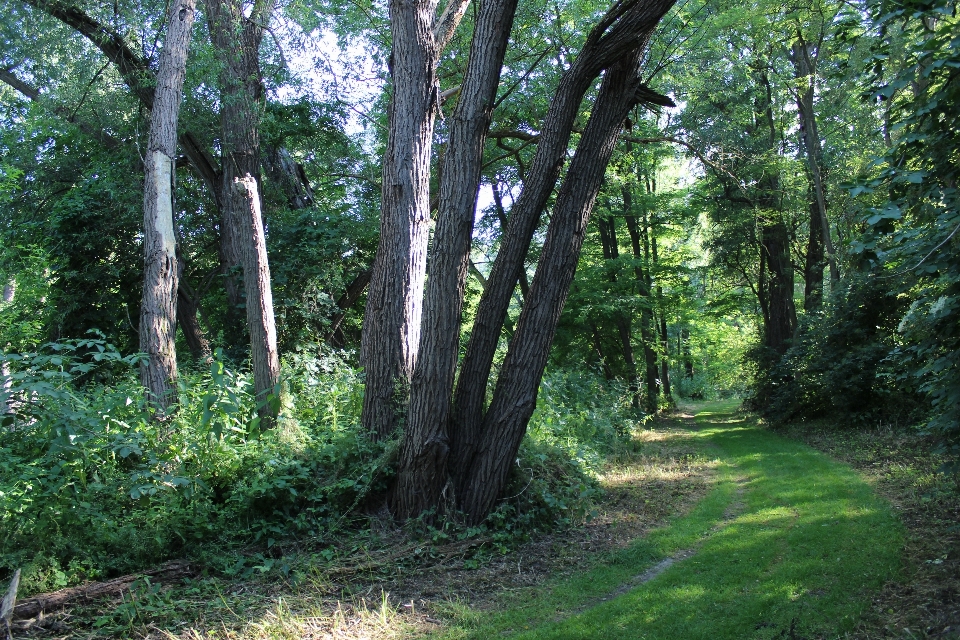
{"points": [[34, 95], [446, 24]]}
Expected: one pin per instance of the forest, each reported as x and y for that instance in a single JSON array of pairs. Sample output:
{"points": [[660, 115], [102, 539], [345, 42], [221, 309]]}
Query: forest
{"points": [[304, 297]]}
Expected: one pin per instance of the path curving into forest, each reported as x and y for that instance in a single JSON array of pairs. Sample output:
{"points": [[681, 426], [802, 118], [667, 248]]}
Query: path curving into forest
{"points": [[788, 544]]}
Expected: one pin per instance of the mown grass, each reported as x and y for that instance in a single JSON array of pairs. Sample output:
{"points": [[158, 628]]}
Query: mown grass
{"points": [[788, 544]]}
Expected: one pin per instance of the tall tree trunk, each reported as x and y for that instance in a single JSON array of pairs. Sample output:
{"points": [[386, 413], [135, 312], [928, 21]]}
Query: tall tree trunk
{"points": [[422, 471], [775, 242], [662, 330], [805, 72], [813, 264], [391, 322], [236, 41], [611, 252], [158, 309], [480, 481], [256, 282], [619, 32]]}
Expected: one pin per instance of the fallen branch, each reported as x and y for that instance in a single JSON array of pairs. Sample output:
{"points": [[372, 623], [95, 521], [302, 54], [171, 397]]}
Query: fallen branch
{"points": [[32, 607]]}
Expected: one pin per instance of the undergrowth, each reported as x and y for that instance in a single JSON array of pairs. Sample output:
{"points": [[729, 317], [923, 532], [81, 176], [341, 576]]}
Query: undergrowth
{"points": [[91, 486]]}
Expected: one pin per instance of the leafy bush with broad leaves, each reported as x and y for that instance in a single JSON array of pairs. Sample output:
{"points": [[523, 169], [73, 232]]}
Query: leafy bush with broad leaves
{"points": [[580, 418], [838, 363], [90, 485], [912, 236]]}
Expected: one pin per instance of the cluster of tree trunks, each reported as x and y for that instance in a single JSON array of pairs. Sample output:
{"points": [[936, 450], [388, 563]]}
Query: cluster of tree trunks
{"points": [[449, 440], [451, 446]]}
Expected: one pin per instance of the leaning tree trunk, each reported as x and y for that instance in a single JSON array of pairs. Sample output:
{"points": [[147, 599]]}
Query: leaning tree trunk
{"points": [[422, 470], [391, 322], [483, 479], [158, 309], [617, 34], [236, 41]]}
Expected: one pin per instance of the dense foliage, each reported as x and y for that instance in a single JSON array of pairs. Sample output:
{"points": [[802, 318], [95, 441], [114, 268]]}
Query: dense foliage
{"points": [[787, 232]]}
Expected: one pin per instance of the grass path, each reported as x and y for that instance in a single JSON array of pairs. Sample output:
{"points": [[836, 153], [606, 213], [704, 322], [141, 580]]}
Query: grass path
{"points": [[788, 544]]}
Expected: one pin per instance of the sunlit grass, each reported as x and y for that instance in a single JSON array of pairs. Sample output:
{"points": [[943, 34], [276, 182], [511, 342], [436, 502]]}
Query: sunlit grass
{"points": [[787, 540]]}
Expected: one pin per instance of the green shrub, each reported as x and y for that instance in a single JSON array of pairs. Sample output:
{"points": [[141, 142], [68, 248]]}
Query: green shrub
{"points": [[839, 362], [91, 485]]}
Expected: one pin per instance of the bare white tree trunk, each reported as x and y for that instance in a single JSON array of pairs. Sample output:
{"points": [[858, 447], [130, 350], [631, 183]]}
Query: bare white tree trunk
{"points": [[158, 310]]}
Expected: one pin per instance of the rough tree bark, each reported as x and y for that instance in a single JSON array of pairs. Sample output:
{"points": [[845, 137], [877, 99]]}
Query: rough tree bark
{"points": [[805, 70], [158, 309], [481, 481], [391, 322], [256, 282], [236, 41], [423, 456], [618, 33]]}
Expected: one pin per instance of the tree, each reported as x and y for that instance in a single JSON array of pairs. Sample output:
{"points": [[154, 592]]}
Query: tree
{"points": [[425, 449], [236, 40], [478, 468], [391, 323], [158, 311]]}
